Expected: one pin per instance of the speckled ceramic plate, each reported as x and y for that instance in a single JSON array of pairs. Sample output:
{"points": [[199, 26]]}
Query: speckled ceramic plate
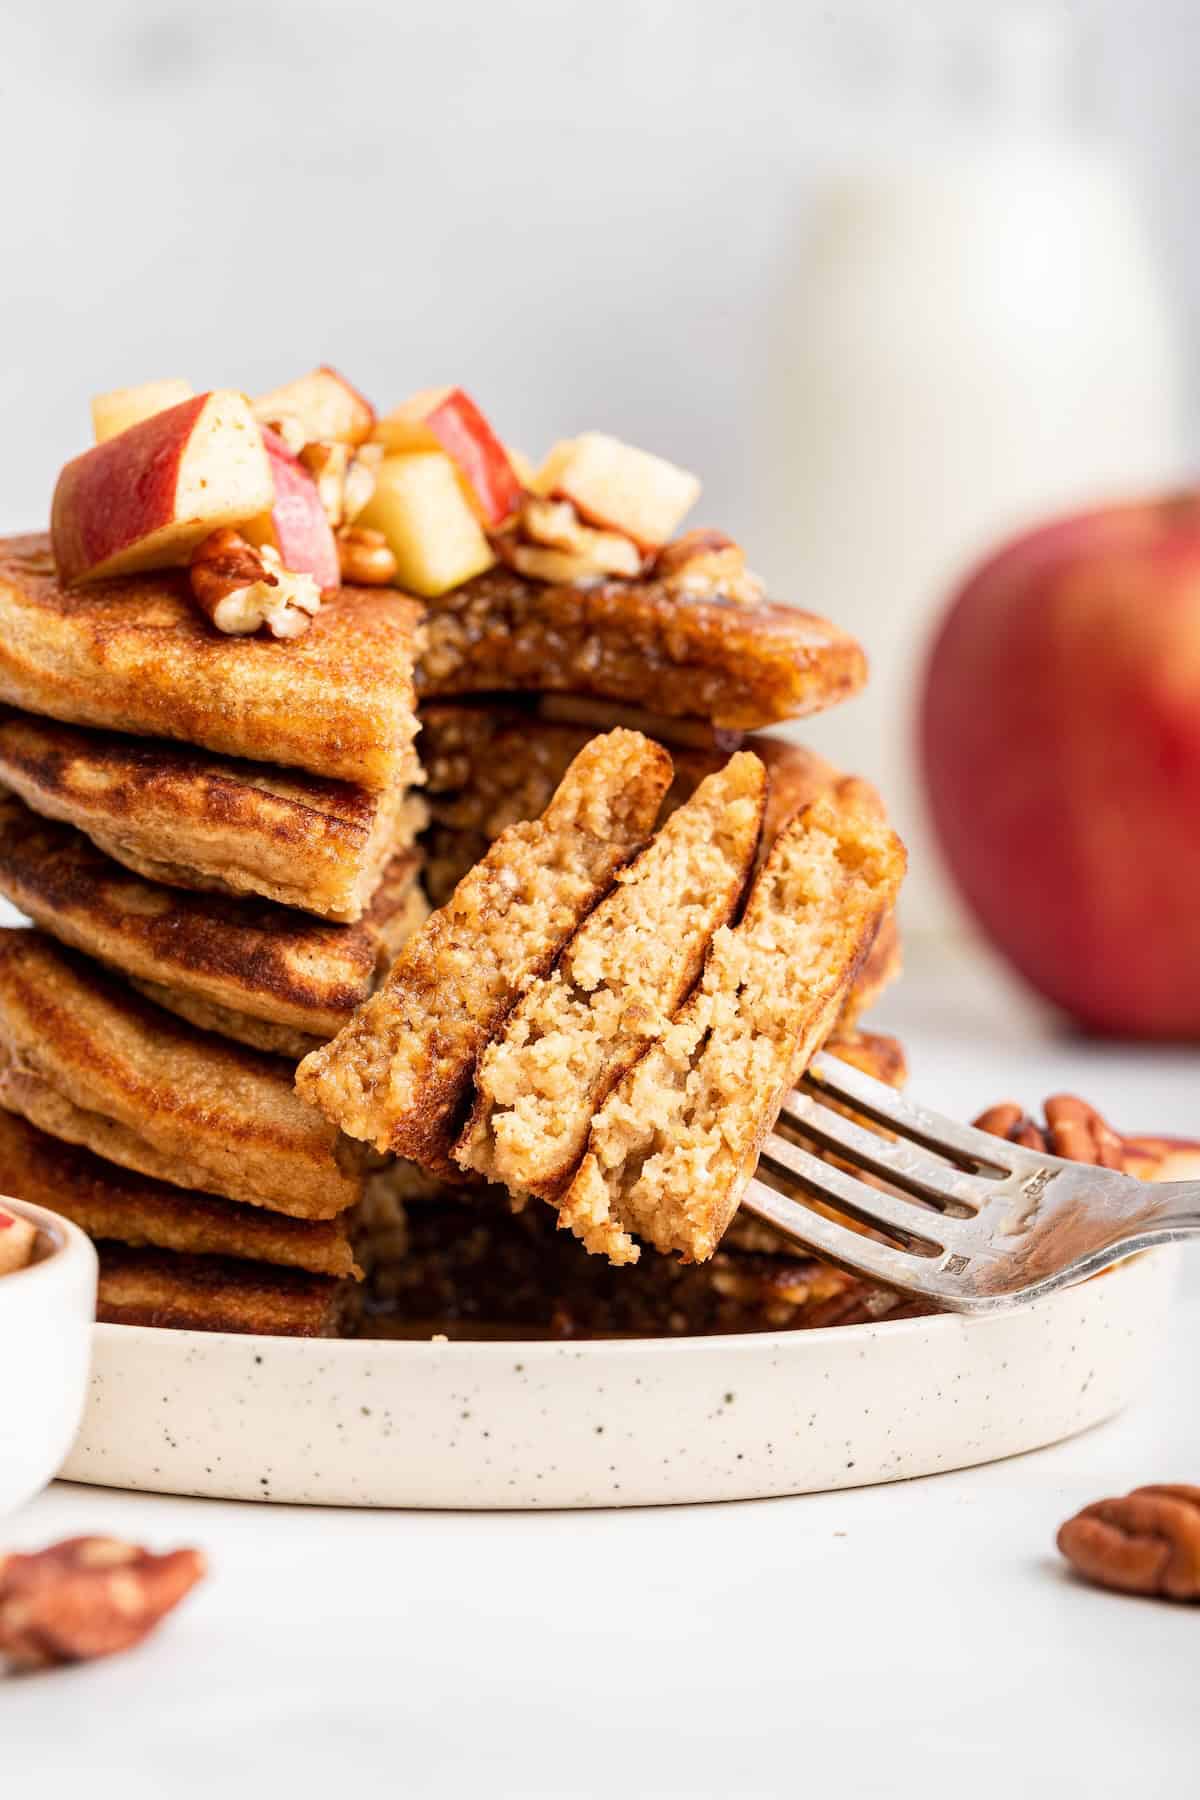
{"points": [[630, 1423]]}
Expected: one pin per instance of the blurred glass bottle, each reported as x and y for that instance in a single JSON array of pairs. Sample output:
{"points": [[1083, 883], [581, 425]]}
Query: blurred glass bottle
{"points": [[975, 333]]}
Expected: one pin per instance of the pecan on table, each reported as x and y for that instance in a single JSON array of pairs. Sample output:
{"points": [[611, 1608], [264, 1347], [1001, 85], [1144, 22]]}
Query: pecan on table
{"points": [[87, 1597], [1073, 1130], [1146, 1543]]}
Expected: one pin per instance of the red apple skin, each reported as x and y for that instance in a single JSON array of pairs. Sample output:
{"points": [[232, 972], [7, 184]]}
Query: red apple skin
{"points": [[299, 524], [470, 443], [1060, 735], [119, 491]]}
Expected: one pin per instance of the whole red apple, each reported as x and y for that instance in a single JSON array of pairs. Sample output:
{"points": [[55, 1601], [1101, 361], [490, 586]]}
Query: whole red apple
{"points": [[1060, 730]]}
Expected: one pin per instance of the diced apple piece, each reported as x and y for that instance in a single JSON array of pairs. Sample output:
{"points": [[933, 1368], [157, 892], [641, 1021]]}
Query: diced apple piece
{"points": [[120, 408], [523, 469], [323, 405], [447, 419], [297, 524], [435, 537], [146, 498], [619, 488], [18, 1238]]}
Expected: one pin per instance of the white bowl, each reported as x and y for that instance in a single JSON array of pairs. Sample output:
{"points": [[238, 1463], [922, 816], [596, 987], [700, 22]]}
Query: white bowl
{"points": [[46, 1315]]}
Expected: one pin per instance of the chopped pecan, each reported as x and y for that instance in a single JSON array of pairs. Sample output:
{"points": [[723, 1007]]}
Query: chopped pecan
{"points": [[1073, 1129], [1146, 1543], [366, 558], [18, 1239], [549, 542], [705, 564], [242, 587], [87, 1597]]}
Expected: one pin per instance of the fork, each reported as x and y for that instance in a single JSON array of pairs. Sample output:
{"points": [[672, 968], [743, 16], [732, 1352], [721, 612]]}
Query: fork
{"points": [[972, 1222]]}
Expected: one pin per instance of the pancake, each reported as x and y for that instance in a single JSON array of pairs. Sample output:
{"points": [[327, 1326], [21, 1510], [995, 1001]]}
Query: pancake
{"points": [[733, 666], [673, 1146], [209, 823], [214, 1293], [400, 1074], [136, 654], [577, 1029], [248, 968], [87, 1060], [117, 1205]]}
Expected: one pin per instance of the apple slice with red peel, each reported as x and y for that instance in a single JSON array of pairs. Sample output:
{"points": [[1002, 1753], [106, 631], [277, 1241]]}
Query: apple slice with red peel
{"points": [[447, 419], [619, 488], [146, 498], [420, 508], [297, 524], [323, 405], [120, 408], [18, 1239]]}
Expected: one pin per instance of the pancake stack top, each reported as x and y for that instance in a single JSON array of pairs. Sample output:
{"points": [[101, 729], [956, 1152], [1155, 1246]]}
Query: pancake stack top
{"points": [[225, 843]]}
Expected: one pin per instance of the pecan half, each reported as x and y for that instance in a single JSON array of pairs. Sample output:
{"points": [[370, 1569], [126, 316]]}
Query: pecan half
{"points": [[1146, 1543], [551, 543], [87, 1597], [1073, 1130], [365, 557], [242, 587]]}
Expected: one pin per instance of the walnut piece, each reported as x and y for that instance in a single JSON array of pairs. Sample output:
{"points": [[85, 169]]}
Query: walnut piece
{"points": [[241, 587], [365, 557], [705, 564], [1146, 1543], [87, 1597], [18, 1239]]}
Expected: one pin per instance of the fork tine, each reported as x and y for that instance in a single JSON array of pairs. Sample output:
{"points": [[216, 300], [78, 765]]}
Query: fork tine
{"points": [[837, 1244], [903, 1163], [874, 1206], [829, 1076]]}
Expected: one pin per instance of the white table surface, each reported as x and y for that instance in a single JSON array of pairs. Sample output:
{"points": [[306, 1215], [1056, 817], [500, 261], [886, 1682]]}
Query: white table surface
{"points": [[916, 1638]]}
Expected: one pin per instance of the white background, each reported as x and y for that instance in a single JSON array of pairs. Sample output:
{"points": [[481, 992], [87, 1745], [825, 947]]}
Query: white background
{"points": [[579, 211]]}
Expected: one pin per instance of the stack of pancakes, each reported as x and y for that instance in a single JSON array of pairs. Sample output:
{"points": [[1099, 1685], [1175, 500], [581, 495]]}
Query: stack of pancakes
{"points": [[216, 841], [222, 844]]}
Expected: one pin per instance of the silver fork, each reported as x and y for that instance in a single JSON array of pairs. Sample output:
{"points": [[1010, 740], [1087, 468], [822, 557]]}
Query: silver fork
{"points": [[975, 1223]]}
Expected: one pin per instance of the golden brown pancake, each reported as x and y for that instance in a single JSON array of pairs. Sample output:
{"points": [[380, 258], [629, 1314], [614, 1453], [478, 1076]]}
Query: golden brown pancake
{"points": [[214, 1293], [228, 965], [118, 1205], [136, 654], [85, 1059], [206, 822], [399, 1075], [577, 1029], [635, 642], [673, 1146]]}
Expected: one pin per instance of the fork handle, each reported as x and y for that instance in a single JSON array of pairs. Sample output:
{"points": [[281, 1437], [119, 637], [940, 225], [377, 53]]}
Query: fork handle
{"points": [[1174, 1206]]}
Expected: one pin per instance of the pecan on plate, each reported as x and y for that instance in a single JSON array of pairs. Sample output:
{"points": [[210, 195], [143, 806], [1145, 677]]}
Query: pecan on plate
{"points": [[1146, 1543], [242, 586], [1073, 1130], [87, 1597]]}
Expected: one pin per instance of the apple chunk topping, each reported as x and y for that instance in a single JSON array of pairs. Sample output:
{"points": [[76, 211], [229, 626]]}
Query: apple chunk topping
{"points": [[447, 419], [18, 1239], [120, 408], [145, 498], [619, 488], [318, 407], [242, 587]]}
